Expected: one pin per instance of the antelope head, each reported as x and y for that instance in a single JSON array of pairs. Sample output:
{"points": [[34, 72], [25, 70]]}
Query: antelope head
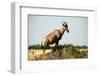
{"points": [[65, 26]]}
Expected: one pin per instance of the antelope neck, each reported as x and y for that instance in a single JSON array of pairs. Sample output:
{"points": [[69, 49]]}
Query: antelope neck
{"points": [[62, 30]]}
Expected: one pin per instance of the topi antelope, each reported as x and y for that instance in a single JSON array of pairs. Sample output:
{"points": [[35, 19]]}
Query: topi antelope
{"points": [[54, 37]]}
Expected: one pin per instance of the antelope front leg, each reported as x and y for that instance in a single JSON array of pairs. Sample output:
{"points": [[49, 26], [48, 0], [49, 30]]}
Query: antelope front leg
{"points": [[56, 48]]}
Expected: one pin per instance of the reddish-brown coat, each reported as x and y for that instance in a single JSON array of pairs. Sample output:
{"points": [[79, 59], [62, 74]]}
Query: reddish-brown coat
{"points": [[53, 37]]}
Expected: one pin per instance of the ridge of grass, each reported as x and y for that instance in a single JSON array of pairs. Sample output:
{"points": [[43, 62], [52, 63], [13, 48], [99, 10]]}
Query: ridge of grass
{"points": [[37, 46]]}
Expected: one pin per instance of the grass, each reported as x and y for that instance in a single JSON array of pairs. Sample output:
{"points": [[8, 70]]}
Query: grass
{"points": [[63, 52]]}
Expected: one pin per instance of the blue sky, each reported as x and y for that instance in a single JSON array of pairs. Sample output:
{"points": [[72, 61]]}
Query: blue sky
{"points": [[40, 26]]}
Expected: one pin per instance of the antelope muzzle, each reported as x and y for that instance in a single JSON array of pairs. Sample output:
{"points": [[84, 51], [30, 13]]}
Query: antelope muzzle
{"points": [[67, 30]]}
